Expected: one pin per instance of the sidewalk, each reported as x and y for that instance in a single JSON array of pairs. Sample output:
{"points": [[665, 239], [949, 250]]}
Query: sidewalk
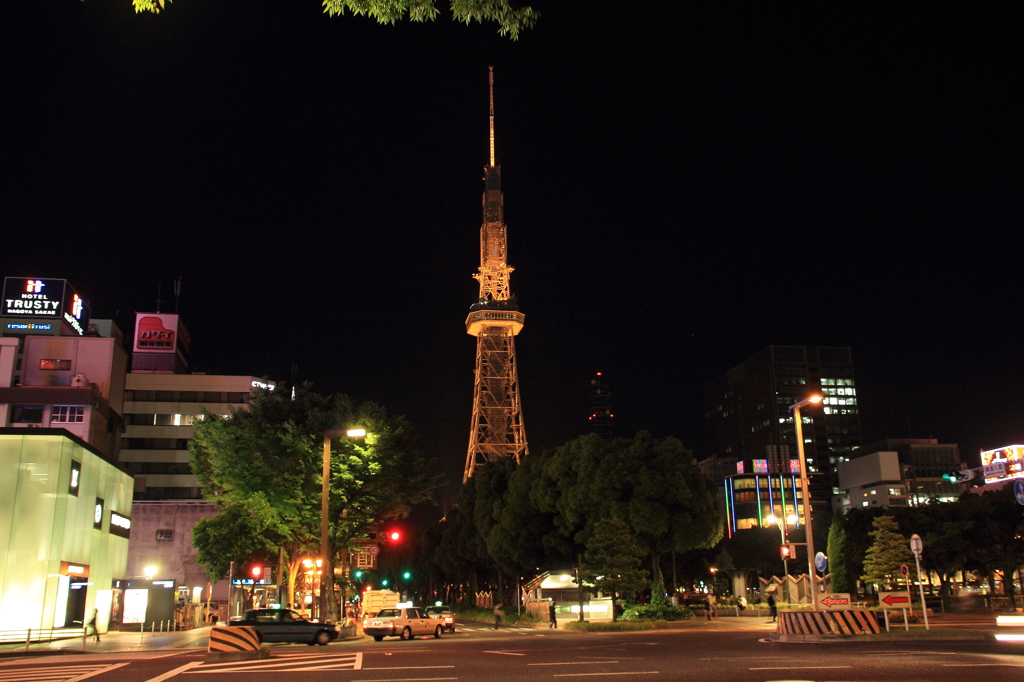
{"points": [[115, 642]]}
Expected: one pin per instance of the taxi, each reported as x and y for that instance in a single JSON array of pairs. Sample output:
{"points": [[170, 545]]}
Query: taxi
{"points": [[405, 622]]}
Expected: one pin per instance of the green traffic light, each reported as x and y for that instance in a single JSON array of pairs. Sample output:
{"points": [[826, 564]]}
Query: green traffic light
{"points": [[359, 574], [407, 575], [384, 582]]}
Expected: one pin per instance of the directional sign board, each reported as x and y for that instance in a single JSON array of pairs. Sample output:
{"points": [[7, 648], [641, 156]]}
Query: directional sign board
{"points": [[1018, 490], [894, 600], [836, 601], [994, 470]]}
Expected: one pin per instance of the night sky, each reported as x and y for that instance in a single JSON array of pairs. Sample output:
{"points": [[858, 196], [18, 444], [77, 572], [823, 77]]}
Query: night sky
{"points": [[683, 187]]}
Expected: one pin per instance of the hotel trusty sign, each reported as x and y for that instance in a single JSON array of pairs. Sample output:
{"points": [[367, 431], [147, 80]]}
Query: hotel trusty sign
{"points": [[33, 299]]}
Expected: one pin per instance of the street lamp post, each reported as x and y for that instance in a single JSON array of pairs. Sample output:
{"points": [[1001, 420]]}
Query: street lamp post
{"points": [[806, 494], [327, 568], [781, 523]]}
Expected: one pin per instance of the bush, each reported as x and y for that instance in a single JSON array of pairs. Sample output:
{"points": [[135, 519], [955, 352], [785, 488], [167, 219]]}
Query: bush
{"points": [[652, 612], [617, 626]]}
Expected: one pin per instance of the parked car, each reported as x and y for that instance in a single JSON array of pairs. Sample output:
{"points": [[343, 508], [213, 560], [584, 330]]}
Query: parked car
{"points": [[442, 613], [406, 623], [285, 625]]}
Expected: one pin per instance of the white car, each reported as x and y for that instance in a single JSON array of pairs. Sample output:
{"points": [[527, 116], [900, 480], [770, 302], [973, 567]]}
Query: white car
{"points": [[404, 622]]}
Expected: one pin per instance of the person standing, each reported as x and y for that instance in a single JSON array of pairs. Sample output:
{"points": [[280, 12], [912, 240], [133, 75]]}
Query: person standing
{"points": [[551, 614], [772, 610], [497, 615], [709, 608]]}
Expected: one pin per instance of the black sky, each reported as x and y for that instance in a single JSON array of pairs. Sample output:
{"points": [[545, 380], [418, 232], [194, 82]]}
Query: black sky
{"points": [[683, 187]]}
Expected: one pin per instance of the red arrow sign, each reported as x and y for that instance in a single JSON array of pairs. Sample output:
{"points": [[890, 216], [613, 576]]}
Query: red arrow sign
{"points": [[894, 599], [835, 601]]}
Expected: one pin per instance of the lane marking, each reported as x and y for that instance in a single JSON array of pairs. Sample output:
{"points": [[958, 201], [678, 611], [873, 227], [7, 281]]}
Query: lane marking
{"points": [[504, 653], [805, 667], [107, 669], [643, 672], [177, 671], [982, 665], [413, 667], [408, 679], [575, 663]]}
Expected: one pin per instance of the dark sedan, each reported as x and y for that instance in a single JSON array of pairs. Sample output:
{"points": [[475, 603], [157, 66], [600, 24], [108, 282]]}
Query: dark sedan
{"points": [[283, 625]]}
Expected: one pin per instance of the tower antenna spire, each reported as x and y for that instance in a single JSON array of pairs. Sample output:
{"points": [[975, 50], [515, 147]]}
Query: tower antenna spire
{"points": [[490, 80]]}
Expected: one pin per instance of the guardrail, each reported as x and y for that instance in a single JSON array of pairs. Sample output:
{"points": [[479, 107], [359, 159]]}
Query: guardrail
{"points": [[38, 635]]}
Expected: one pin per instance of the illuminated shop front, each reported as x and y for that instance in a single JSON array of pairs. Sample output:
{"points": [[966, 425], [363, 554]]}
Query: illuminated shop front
{"points": [[65, 518]]}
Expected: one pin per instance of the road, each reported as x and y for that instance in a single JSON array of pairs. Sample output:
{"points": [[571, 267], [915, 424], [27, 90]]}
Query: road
{"points": [[726, 652]]}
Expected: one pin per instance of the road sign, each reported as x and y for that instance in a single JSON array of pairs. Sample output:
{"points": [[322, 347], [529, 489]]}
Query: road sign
{"points": [[374, 550], [894, 600], [836, 601], [994, 470], [904, 571], [1018, 490], [820, 562], [916, 546]]}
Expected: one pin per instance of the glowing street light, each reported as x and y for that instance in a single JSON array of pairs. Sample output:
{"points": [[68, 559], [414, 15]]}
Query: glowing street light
{"points": [[804, 491], [150, 571], [328, 568], [781, 523]]}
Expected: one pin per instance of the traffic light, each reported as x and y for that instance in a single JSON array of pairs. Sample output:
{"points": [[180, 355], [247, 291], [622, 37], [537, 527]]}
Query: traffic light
{"points": [[788, 551], [394, 535], [959, 476], [384, 583], [358, 575], [256, 571], [407, 575]]}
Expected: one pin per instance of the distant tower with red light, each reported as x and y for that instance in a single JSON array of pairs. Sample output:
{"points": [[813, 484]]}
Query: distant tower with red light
{"points": [[497, 427], [600, 407]]}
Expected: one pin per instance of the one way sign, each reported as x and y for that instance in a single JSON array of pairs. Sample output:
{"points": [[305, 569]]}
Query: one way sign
{"points": [[836, 601], [894, 600]]}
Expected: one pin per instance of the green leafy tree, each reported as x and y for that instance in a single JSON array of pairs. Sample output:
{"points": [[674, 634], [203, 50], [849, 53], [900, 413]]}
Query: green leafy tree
{"points": [[945, 529], [997, 534], [889, 551], [268, 458], [612, 560], [838, 564], [510, 20]]}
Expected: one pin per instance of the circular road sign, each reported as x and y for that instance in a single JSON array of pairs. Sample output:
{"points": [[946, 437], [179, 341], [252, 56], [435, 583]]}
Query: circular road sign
{"points": [[916, 546], [1018, 490], [904, 571], [374, 550], [820, 562]]}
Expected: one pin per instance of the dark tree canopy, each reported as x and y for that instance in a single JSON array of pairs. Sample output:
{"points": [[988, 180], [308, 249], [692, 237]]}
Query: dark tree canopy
{"points": [[510, 20]]}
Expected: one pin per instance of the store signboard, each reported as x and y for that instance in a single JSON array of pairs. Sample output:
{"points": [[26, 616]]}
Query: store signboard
{"points": [[33, 299]]}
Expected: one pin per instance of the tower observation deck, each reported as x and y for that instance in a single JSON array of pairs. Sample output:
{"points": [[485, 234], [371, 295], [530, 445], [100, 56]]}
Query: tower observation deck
{"points": [[497, 426]]}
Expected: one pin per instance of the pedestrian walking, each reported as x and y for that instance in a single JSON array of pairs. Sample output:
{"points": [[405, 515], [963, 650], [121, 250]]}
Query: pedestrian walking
{"points": [[91, 623], [551, 614], [498, 615], [772, 610], [742, 604], [709, 608]]}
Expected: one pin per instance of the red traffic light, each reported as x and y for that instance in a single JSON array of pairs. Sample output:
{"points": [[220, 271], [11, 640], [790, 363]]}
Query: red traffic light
{"points": [[394, 536], [787, 552], [256, 571]]}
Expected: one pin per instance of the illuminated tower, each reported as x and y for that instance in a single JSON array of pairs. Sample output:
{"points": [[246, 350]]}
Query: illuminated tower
{"points": [[497, 429]]}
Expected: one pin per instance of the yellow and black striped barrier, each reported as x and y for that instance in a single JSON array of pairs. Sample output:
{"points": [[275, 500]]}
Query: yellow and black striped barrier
{"points": [[239, 643], [847, 623]]}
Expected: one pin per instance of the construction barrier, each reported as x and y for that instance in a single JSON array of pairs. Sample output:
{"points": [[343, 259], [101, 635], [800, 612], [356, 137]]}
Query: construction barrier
{"points": [[828, 623], [236, 643]]}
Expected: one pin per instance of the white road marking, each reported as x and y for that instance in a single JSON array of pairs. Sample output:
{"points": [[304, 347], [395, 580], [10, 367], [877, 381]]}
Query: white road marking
{"points": [[173, 673], [643, 672], [107, 669], [805, 667], [574, 663], [504, 653], [409, 679]]}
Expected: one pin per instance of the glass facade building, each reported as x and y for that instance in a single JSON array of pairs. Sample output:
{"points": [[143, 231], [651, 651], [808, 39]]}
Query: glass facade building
{"points": [[65, 518]]}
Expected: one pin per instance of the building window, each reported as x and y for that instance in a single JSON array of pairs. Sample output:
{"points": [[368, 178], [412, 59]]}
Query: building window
{"points": [[67, 414], [164, 534], [27, 414], [55, 364]]}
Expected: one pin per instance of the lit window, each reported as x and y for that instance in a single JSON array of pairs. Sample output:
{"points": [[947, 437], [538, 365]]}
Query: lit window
{"points": [[67, 414]]}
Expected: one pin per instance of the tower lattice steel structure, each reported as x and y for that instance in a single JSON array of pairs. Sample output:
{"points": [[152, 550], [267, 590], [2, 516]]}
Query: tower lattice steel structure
{"points": [[497, 429]]}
